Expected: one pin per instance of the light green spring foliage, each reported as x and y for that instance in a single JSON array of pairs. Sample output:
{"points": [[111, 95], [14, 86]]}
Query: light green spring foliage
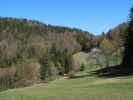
{"points": [[106, 46], [81, 57]]}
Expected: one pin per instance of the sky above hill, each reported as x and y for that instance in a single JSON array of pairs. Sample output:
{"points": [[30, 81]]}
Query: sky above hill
{"points": [[94, 16]]}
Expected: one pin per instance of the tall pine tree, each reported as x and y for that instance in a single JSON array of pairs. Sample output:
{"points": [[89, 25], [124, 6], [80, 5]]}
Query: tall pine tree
{"points": [[128, 42]]}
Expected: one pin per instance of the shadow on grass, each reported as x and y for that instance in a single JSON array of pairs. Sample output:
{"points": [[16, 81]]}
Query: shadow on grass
{"points": [[114, 71]]}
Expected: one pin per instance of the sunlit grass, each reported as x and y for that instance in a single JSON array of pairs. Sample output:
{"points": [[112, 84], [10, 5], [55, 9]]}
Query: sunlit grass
{"points": [[85, 88]]}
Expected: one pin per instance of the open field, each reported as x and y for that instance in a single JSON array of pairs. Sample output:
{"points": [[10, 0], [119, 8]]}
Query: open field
{"points": [[82, 87]]}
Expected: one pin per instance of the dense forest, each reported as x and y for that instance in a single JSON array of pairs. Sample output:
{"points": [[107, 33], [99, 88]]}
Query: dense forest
{"points": [[31, 50]]}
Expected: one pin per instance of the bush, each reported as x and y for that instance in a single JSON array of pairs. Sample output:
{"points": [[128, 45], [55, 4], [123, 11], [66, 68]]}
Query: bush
{"points": [[71, 74], [82, 67]]}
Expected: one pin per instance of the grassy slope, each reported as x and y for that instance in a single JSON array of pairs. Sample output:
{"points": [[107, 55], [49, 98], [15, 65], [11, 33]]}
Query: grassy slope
{"points": [[83, 87]]}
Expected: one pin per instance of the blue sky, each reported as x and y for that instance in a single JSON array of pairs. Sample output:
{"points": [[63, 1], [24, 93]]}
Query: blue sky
{"points": [[94, 16]]}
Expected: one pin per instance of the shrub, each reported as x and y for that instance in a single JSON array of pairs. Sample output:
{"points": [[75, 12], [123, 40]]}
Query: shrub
{"points": [[71, 74], [82, 67]]}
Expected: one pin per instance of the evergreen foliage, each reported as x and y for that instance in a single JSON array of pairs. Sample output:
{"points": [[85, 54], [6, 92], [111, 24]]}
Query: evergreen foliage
{"points": [[128, 42]]}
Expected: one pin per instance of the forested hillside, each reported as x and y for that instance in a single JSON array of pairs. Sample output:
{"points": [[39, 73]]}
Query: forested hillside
{"points": [[31, 50], [116, 34]]}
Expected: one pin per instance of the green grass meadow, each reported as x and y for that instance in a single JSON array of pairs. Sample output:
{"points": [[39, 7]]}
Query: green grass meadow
{"points": [[84, 86]]}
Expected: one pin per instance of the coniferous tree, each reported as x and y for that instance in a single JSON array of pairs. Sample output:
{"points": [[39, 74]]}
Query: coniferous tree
{"points": [[44, 61], [128, 42], [68, 60]]}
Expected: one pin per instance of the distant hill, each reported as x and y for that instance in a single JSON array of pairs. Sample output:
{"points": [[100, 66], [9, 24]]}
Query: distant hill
{"points": [[27, 38], [22, 37], [31, 51]]}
